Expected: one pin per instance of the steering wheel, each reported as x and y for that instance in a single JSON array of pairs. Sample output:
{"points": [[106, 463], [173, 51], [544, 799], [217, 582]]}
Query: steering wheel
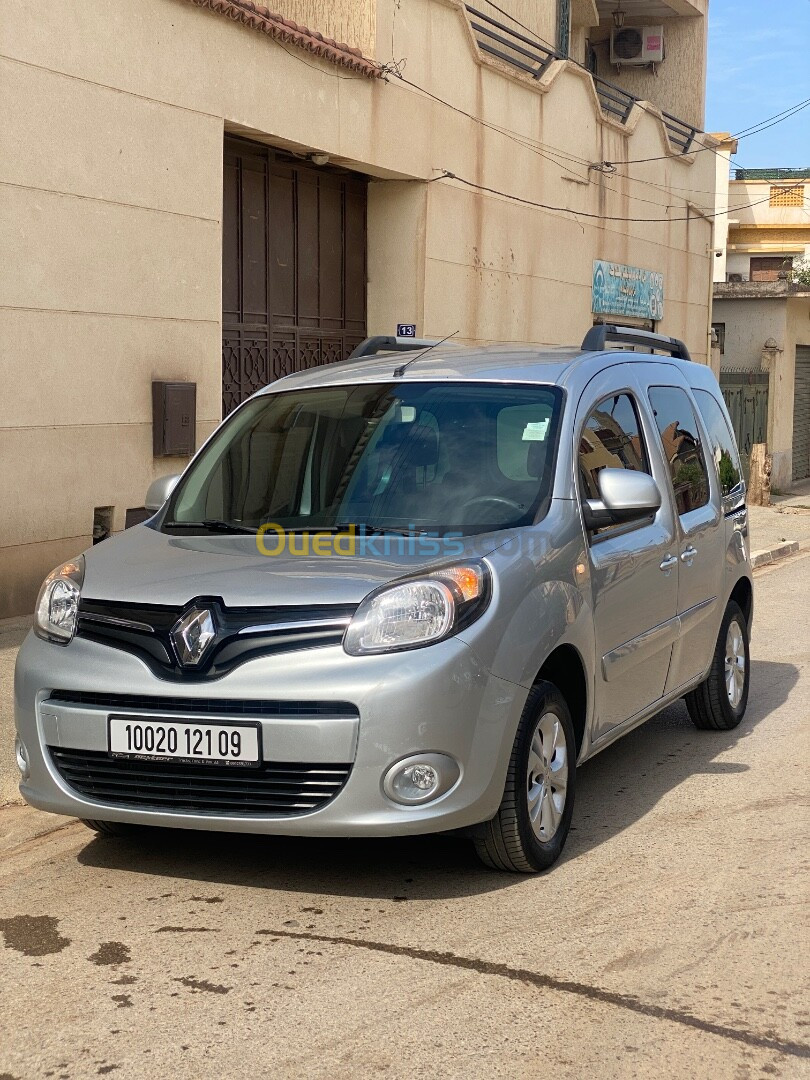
{"points": [[500, 500]]}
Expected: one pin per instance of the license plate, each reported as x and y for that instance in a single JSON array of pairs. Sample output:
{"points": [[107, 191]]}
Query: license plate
{"points": [[153, 738]]}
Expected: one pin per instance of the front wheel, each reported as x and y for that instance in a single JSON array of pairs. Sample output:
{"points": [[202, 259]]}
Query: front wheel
{"points": [[718, 704], [528, 832]]}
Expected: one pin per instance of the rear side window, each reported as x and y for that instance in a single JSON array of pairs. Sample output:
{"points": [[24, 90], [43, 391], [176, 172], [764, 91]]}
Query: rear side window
{"points": [[723, 446], [677, 425], [610, 439]]}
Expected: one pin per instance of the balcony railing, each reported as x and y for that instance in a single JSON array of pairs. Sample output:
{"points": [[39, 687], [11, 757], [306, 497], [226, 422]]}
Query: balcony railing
{"points": [[614, 101], [506, 44], [680, 134], [501, 41]]}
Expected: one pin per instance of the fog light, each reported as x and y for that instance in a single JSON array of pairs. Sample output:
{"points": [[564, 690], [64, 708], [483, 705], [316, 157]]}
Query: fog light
{"points": [[420, 778], [423, 777], [21, 755]]}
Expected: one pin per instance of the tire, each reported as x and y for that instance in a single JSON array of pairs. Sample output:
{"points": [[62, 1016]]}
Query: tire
{"points": [[109, 828], [717, 704], [509, 841]]}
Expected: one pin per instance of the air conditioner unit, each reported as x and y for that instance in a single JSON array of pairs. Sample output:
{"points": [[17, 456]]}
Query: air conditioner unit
{"points": [[637, 45], [734, 278]]}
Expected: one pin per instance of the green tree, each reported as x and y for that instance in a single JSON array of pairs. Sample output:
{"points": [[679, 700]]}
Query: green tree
{"points": [[799, 274]]}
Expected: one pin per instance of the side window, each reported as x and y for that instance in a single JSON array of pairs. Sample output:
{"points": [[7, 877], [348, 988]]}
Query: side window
{"points": [[724, 448], [678, 427], [610, 439]]}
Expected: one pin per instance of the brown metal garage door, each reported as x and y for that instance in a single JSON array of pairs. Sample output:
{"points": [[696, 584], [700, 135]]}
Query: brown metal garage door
{"points": [[293, 267], [801, 414]]}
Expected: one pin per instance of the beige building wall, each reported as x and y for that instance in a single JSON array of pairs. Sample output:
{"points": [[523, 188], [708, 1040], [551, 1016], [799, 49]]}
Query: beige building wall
{"points": [[110, 224], [352, 22], [539, 15], [726, 148], [678, 84], [750, 323], [749, 204], [762, 230]]}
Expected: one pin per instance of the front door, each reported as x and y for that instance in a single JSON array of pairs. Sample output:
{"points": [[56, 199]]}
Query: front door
{"points": [[293, 267], [701, 527], [634, 568]]}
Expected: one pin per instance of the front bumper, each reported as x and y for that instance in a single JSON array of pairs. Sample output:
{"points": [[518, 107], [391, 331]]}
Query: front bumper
{"points": [[439, 699]]}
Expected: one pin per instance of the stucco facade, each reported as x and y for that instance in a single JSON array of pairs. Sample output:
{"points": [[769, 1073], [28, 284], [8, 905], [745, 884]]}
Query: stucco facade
{"points": [[678, 85], [759, 229], [111, 220], [764, 324]]}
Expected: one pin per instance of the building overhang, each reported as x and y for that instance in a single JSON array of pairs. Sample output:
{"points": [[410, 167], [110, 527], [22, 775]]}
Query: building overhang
{"points": [[650, 12], [757, 290], [725, 141]]}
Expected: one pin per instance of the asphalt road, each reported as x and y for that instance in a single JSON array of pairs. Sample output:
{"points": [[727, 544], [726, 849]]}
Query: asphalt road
{"points": [[669, 941]]}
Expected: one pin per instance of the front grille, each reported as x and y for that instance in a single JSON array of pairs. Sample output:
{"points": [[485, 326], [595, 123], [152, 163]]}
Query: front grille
{"points": [[277, 789], [242, 633], [256, 709]]}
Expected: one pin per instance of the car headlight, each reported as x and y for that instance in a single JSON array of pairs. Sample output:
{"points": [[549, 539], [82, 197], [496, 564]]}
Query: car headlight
{"points": [[419, 611], [57, 610]]}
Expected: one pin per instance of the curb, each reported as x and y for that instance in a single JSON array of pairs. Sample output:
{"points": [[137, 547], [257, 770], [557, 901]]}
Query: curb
{"points": [[772, 555]]}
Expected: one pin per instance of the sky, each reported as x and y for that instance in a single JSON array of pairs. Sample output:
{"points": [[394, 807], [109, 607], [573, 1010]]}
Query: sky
{"points": [[759, 64]]}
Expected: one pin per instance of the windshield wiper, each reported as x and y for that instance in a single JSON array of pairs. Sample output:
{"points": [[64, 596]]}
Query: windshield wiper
{"points": [[212, 525], [300, 530], [381, 530]]}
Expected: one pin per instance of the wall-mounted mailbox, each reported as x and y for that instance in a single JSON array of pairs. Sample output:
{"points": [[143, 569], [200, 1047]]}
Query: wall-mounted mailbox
{"points": [[174, 418]]}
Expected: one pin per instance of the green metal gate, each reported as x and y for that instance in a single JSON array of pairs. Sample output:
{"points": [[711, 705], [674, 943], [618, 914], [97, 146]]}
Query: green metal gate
{"points": [[746, 396], [801, 414]]}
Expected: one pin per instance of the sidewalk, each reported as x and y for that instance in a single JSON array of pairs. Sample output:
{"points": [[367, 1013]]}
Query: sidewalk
{"points": [[780, 529]]}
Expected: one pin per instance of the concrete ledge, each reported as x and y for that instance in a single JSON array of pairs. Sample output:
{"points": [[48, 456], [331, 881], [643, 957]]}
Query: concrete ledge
{"points": [[781, 551]]}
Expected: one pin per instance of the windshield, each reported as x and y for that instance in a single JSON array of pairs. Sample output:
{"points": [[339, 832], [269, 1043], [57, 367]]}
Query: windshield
{"points": [[421, 457]]}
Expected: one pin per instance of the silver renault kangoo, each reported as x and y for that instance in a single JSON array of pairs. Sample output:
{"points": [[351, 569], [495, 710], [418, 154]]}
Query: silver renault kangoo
{"points": [[407, 593]]}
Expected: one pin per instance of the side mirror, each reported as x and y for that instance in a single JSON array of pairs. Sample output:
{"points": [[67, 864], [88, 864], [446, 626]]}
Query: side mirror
{"points": [[159, 491], [626, 496]]}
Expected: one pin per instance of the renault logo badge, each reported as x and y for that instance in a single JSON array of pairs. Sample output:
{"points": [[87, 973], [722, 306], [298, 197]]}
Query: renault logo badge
{"points": [[192, 634]]}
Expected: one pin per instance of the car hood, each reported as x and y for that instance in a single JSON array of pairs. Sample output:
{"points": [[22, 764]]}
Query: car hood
{"points": [[142, 565]]}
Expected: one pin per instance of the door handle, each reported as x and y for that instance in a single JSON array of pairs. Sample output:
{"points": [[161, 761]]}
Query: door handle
{"points": [[688, 554], [668, 563]]}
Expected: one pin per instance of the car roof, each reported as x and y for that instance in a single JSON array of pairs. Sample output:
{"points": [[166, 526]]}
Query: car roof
{"points": [[508, 363]]}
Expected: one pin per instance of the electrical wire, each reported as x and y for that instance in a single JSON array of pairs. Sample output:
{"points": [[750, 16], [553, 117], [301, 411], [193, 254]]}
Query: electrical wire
{"points": [[769, 121], [557, 155], [554, 153], [756, 129], [789, 109], [705, 212], [523, 26], [585, 214], [396, 69]]}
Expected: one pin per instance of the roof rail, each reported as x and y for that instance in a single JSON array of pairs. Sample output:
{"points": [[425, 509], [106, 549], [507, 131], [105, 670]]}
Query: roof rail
{"points": [[387, 343], [598, 336]]}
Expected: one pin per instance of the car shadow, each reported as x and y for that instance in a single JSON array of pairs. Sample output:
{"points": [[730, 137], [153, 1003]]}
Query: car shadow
{"points": [[624, 782], [616, 789]]}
